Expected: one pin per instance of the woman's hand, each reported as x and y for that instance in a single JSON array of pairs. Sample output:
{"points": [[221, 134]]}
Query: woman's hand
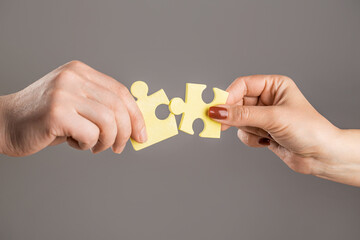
{"points": [[73, 103], [270, 111]]}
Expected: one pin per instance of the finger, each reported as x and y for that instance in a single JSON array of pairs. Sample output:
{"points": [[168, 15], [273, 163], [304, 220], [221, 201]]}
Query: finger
{"points": [[263, 86], [136, 117], [104, 119], [113, 102], [137, 120], [80, 130], [241, 116], [249, 101], [252, 140], [256, 131], [124, 129]]}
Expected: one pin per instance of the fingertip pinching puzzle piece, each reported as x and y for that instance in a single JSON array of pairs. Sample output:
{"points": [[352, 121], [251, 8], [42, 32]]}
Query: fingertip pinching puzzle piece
{"points": [[157, 129], [194, 107]]}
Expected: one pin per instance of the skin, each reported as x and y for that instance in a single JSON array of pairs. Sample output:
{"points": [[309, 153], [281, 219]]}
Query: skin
{"points": [[73, 103], [91, 110], [272, 107]]}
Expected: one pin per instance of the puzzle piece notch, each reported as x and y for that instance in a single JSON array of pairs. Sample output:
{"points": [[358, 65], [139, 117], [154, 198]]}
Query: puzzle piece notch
{"points": [[157, 129], [194, 107]]}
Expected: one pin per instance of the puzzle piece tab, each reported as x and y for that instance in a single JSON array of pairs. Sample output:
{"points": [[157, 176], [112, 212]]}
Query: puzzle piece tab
{"points": [[194, 108], [157, 129]]}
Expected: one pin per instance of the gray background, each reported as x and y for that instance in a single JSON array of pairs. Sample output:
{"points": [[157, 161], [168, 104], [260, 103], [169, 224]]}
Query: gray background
{"points": [[185, 187]]}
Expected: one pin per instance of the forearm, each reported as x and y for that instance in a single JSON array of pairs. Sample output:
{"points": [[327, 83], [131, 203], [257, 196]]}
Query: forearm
{"points": [[344, 158]]}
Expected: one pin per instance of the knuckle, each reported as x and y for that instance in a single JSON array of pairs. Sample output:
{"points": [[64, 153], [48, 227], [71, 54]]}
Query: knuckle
{"points": [[92, 138], [117, 103], [288, 81], [239, 80], [283, 79], [56, 99], [124, 132], [75, 64], [241, 113], [57, 95], [65, 77], [286, 78], [124, 136], [124, 91], [127, 133], [121, 89], [107, 117]]}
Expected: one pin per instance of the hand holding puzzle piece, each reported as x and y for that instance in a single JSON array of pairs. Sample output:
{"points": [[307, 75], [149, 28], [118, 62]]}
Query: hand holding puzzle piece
{"points": [[157, 130], [192, 109]]}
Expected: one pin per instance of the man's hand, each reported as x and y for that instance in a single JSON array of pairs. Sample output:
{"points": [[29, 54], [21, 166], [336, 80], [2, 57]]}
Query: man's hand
{"points": [[73, 103]]}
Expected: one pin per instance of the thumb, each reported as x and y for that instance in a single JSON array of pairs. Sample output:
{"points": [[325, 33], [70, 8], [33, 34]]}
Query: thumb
{"points": [[240, 116]]}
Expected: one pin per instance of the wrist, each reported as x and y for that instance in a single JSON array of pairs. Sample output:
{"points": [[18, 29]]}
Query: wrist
{"points": [[341, 160]]}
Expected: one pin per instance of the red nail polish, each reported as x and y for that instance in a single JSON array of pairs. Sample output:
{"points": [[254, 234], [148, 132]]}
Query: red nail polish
{"points": [[264, 141], [218, 112]]}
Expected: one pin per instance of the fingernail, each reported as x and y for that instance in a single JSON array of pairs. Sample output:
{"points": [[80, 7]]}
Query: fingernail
{"points": [[264, 141], [218, 112], [143, 135]]}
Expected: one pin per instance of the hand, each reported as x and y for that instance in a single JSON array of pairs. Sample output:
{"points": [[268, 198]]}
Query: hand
{"points": [[270, 111], [73, 103]]}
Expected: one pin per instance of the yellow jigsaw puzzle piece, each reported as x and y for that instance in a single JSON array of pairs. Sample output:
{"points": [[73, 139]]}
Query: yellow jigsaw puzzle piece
{"points": [[194, 108], [157, 129]]}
